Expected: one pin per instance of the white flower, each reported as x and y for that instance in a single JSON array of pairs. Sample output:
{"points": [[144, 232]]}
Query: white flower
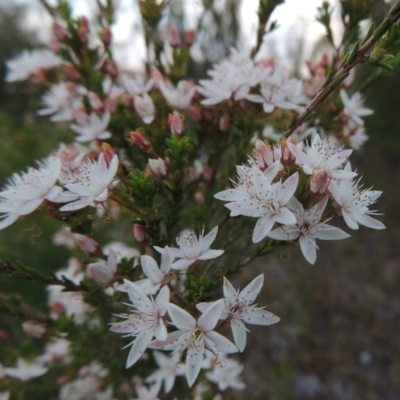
{"points": [[25, 192], [267, 202], [144, 107], [30, 63], [70, 303], [155, 275], [121, 250], [277, 90], [354, 201], [145, 322], [89, 184], [308, 228], [179, 97], [138, 85], [168, 369], [61, 101], [353, 107], [103, 272], [238, 309], [226, 374], [232, 77], [322, 154], [145, 393], [26, 370], [94, 128], [192, 249], [193, 337]]}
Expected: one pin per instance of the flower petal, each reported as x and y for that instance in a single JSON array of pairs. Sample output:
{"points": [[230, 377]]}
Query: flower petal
{"points": [[210, 317], [239, 333], [180, 318]]}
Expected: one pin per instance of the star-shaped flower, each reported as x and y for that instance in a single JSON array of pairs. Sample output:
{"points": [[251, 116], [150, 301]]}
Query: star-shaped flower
{"points": [[192, 249], [168, 369], [238, 309], [353, 107], [25, 192], [89, 184], [193, 337], [25, 370], [267, 202], [322, 154], [353, 202], [94, 128], [308, 228], [145, 322]]}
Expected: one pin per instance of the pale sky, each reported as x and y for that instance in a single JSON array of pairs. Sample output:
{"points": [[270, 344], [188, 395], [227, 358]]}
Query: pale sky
{"points": [[295, 18]]}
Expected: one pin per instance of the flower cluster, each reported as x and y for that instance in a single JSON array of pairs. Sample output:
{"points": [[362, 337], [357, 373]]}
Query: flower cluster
{"points": [[153, 149]]}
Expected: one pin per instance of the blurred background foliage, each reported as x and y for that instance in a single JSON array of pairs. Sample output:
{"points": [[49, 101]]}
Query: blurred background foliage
{"points": [[340, 319]]}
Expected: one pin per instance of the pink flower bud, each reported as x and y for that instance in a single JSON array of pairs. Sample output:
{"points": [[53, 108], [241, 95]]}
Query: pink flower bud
{"points": [[95, 102], [109, 67], [287, 157], [224, 123], [110, 105], [174, 37], [87, 245], [108, 152], [140, 141], [83, 30], [158, 167], [175, 122], [319, 182], [60, 31], [34, 329], [100, 272], [106, 36], [190, 36], [263, 155], [72, 73], [141, 237]]}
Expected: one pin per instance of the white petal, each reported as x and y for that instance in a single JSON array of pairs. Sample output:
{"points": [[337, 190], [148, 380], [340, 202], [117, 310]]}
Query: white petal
{"points": [[288, 188], [369, 222], [207, 241], [210, 254], [239, 333], [167, 257], [284, 216], [180, 318], [210, 317], [160, 331], [328, 232], [251, 291], [262, 228], [349, 219], [162, 300], [308, 248], [138, 348], [7, 221], [183, 263], [194, 358], [150, 269], [229, 292], [288, 233], [222, 344], [258, 316]]}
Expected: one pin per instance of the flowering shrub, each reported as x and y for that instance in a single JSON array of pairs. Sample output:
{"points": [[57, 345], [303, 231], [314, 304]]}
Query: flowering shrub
{"points": [[166, 155]]}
